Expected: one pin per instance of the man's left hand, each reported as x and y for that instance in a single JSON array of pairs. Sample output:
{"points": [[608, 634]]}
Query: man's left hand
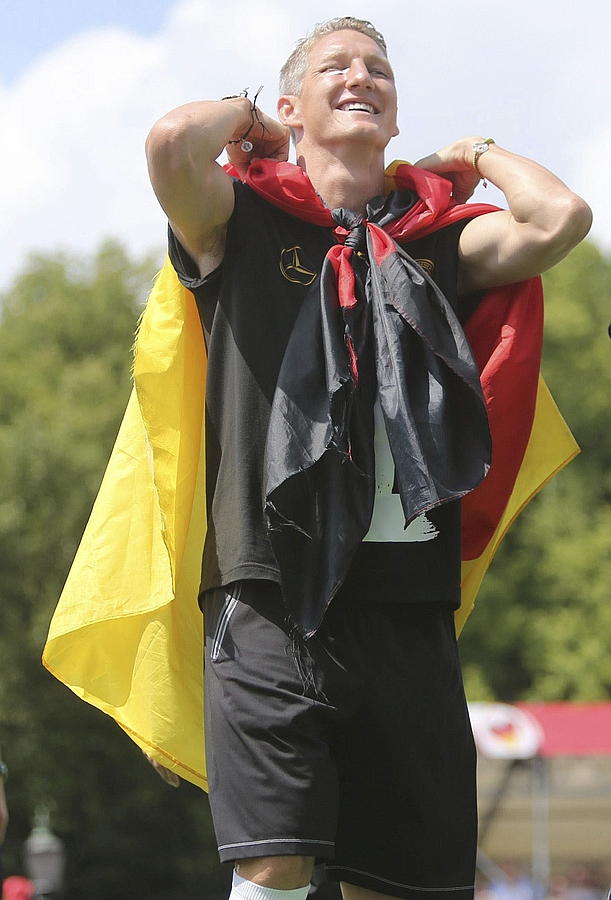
{"points": [[456, 163], [544, 221], [164, 773]]}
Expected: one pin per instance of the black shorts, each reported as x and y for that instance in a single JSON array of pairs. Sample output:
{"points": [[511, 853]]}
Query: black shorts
{"points": [[357, 750]]}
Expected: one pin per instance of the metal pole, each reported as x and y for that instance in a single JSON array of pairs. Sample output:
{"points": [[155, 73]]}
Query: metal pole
{"points": [[494, 806], [541, 841], [489, 868]]}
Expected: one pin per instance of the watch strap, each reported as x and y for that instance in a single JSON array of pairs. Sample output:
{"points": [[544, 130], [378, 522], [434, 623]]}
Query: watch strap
{"points": [[479, 148]]}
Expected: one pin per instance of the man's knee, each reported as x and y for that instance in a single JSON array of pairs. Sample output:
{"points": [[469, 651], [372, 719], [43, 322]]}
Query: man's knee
{"points": [[352, 892], [284, 873]]}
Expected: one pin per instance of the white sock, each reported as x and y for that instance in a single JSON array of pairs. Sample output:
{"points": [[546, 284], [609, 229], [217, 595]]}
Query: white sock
{"points": [[248, 890]]}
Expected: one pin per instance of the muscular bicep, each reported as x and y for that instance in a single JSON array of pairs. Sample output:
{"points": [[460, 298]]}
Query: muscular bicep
{"points": [[496, 249]]}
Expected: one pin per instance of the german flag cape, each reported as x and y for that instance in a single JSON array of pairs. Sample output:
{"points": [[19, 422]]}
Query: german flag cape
{"points": [[127, 635]]}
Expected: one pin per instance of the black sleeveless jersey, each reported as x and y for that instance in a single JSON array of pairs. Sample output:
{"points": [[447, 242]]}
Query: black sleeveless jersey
{"points": [[248, 307]]}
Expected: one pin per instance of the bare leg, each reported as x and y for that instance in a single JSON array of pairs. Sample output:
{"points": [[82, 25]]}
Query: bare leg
{"points": [[284, 873], [352, 892]]}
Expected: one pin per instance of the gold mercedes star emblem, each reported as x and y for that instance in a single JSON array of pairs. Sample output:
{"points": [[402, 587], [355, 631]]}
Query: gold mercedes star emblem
{"points": [[293, 269]]}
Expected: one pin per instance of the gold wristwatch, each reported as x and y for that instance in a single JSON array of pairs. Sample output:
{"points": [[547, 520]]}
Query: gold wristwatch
{"points": [[479, 148]]}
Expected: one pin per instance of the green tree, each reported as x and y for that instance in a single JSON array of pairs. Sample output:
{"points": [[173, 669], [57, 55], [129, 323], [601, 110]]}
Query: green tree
{"points": [[540, 630], [542, 623], [65, 340]]}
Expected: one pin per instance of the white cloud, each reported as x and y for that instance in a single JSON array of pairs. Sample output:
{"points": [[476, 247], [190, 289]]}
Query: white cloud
{"points": [[72, 142], [593, 181], [73, 127]]}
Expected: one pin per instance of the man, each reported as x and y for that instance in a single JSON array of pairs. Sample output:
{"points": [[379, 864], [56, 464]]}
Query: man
{"points": [[342, 404], [292, 723]]}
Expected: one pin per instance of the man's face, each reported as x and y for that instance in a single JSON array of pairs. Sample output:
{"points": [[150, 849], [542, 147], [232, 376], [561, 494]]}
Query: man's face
{"points": [[348, 92]]}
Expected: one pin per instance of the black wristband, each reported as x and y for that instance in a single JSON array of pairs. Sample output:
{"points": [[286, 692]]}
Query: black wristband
{"points": [[247, 145]]}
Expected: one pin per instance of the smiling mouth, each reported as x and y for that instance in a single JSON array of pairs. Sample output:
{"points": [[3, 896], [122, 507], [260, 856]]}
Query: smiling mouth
{"points": [[358, 106]]}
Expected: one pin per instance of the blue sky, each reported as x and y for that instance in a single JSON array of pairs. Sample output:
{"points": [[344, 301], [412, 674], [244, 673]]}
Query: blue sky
{"points": [[29, 27], [82, 82]]}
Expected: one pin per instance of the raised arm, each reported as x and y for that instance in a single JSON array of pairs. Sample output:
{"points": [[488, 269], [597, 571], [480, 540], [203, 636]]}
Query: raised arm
{"points": [[193, 189], [544, 222]]}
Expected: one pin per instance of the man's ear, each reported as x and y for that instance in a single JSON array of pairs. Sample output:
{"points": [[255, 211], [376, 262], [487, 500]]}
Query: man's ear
{"points": [[288, 110]]}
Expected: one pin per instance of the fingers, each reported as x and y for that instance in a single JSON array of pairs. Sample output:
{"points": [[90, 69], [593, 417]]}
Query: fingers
{"points": [[431, 163], [463, 185], [166, 774], [261, 149], [464, 180], [462, 192], [238, 158]]}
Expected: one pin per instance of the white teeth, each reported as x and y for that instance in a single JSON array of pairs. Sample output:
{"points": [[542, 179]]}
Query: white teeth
{"points": [[365, 107]]}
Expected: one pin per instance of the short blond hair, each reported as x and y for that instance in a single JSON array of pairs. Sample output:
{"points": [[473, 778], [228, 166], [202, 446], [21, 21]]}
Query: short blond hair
{"points": [[293, 71]]}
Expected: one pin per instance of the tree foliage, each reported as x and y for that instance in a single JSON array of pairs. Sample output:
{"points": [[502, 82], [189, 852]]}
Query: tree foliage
{"points": [[65, 345], [542, 623], [540, 629]]}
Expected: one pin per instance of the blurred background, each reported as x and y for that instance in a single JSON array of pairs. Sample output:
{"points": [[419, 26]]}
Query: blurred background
{"points": [[82, 237]]}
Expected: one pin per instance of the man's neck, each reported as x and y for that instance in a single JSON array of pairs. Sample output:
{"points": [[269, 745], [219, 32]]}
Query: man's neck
{"points": [[349, 181]]}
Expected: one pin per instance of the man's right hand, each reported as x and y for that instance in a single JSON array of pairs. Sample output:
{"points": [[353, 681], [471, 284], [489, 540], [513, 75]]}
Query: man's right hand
{"points": [[269, 138], [194, 191]]}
